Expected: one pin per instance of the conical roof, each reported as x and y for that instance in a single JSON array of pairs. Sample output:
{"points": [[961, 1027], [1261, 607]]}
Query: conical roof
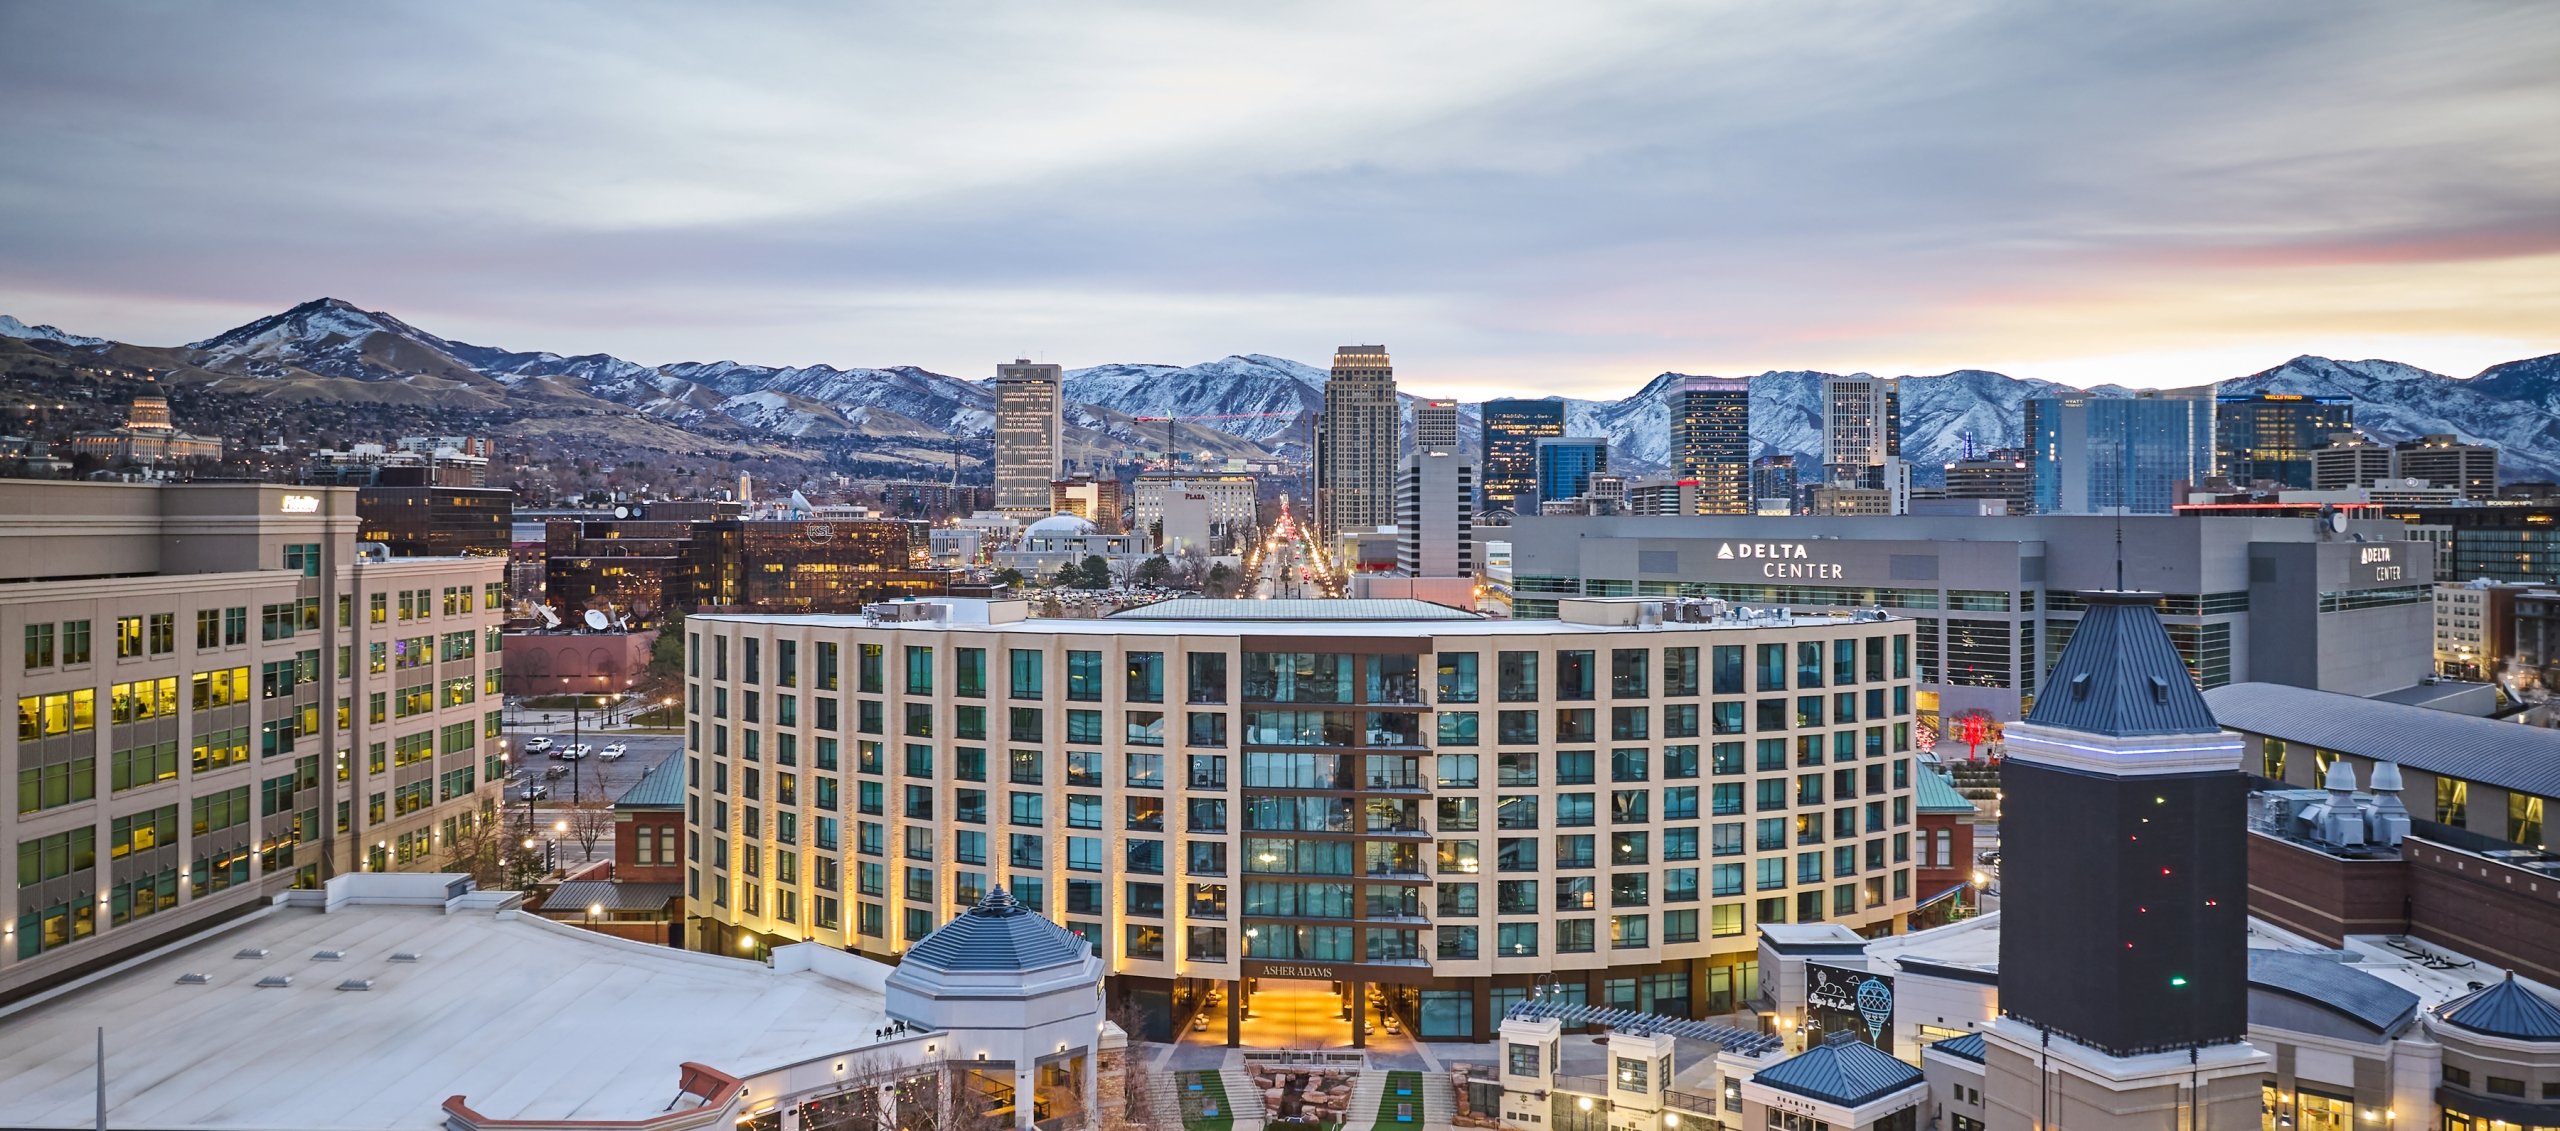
{"points": [[2120, 676], [2504, 1009], [998, 936]]}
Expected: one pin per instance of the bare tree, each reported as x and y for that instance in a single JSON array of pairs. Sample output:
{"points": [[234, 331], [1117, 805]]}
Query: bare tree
{"points": [[479, 849], [1134, 1068], [589, 822]]}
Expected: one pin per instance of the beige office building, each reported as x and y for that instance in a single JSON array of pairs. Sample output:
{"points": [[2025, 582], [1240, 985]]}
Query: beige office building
{"points": [[220, 697], [1357, 443], [1385, 793], [1030, 426]]}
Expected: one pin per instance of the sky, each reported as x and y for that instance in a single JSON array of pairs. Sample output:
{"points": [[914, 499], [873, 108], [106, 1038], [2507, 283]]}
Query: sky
{"points": [[1533, 198]]}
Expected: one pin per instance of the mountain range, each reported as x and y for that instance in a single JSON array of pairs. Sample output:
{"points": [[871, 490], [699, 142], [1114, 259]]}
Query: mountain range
{"points": [[1249, 405]]}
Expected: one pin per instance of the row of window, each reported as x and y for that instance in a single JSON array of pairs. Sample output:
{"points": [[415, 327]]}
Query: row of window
{"points": [[1299, 727], [1317, 677]]}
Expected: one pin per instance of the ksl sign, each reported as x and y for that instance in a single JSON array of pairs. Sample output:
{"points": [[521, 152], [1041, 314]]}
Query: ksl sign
{"points": [[1778, 559]]}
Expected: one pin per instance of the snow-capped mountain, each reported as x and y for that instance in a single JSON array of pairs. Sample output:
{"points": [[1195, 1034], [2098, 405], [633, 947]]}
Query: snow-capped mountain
{"points": [[334, 338], [1253, 396], [2507, 405], [12, 328], [1253, 404]]}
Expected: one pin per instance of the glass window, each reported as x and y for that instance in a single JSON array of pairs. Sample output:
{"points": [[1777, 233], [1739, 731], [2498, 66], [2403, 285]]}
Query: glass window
{"points": [[1457, 672], [1517, 678], [1208, 677]]}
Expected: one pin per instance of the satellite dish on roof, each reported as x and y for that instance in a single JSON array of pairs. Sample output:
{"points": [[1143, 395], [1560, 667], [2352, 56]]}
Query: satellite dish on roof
{"points": [[621, 512], [595, 620], [549, 618], [2337, 522]]}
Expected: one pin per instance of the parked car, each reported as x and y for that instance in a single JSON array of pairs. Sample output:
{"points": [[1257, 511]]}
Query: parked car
{"points": [[614, 751], [537, 792], [537, 744], [556, 772]]}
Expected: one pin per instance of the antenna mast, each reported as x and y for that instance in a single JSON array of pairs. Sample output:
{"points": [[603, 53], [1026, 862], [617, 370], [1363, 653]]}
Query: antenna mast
{"points": [[2119, 553]]}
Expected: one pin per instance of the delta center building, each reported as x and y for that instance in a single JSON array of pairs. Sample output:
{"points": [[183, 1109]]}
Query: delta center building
{"points": [[2340, 602], [1442, 809]]}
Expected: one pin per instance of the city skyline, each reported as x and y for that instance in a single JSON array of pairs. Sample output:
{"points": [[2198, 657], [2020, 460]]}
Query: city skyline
{"points": [[1557, 201]]}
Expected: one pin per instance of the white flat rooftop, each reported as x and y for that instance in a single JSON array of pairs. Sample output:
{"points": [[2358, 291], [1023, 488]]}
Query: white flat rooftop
{"points": [[1141, 626], [2437, 975], [1972, 944], [525, 1020]]}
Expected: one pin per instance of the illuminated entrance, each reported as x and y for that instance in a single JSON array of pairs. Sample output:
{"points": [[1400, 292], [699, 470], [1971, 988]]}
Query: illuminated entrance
{"points": [[1301, 1008]]}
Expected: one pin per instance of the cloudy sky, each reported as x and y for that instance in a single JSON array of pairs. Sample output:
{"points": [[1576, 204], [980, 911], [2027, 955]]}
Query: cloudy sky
{"points": [[1543, 197]]}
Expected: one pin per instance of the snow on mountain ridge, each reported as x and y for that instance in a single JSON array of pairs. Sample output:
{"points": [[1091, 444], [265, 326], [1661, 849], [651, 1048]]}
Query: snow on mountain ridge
{"points": [[12, 328], [1270, 402]]}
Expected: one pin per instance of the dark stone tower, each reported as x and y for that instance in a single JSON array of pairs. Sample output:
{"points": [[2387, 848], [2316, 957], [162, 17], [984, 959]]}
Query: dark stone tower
{"points": [[2124, 925]]}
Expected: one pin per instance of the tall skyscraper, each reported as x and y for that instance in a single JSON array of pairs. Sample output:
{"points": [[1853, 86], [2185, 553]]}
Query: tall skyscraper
{"points": [[1356, 444], [2269, 437], [2124, 995], [2118, 455], [1435, 426], [1512, 428], [1711, 441], [1773, 484], [2005, 474], [1861, 428], [1567, 463], [1435, 515], [1030, 418]]}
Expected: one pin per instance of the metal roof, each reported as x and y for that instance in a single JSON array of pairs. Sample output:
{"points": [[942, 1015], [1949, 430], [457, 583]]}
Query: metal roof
{"points": [[1966, 1047], [574, 897], [2506, 755], [2504, 1009], [1205, 608], [2340, 987], [2120, 676], [998, 936], [661, 788], [1540, 1006], [1936, 793], [1842, 1070]]}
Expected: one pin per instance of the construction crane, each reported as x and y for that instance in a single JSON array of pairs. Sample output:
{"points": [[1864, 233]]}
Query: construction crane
{"points": [[1169, 422]]}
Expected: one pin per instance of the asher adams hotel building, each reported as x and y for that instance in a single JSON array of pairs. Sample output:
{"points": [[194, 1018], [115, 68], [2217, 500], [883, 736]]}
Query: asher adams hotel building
{"points": [[1387, 793], [220, 695]]}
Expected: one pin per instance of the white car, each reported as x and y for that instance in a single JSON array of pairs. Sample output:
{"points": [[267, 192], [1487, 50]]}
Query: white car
{"points": [[578, 751], [537, 744], [614, 751]]}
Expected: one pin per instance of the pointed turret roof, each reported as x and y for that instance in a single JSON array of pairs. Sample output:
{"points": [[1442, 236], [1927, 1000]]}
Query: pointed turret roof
{"points": [[998, 936], [2120, 676], [2504, 1008]]}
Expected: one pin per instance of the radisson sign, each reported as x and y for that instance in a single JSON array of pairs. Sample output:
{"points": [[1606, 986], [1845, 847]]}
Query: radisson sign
{"points": [[1778, 559]]}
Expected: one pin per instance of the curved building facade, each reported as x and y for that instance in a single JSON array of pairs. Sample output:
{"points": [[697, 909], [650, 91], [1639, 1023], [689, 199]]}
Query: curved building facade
{"points": [[1362, 793]]}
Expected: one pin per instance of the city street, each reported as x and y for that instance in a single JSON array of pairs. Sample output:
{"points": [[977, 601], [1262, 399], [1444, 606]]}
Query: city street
{"points": [[1286, 566], [595, 777]]}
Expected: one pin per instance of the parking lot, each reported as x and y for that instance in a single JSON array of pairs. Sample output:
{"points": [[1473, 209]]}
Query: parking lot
{"points": [[594, 777]]}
